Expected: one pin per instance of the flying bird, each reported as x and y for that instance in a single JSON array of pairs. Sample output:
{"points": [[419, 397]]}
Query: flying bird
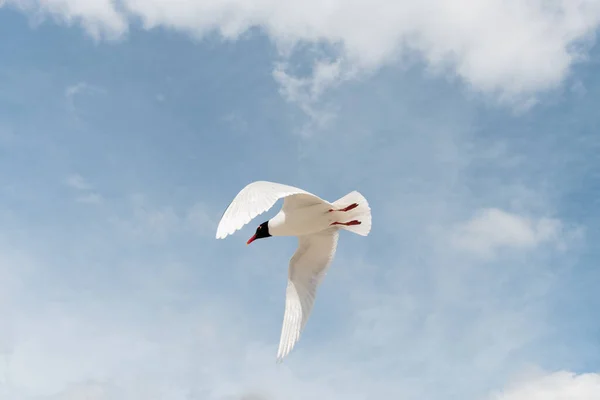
{"points": [[316, 223]]}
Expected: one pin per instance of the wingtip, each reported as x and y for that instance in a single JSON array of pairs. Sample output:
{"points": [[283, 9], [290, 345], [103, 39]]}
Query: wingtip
{"points": [[280, 357], [222, 232]]}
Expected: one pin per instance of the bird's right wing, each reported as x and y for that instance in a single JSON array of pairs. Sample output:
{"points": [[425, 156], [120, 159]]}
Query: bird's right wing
{"points": [[255, 199], [307, 269]]}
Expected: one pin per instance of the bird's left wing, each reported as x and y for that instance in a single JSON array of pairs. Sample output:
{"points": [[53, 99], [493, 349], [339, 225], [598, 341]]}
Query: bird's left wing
{"points": [[253, 200], [308, 267]]}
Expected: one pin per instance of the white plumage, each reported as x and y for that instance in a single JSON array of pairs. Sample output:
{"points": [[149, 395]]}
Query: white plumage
{"points": [[316, 223]]}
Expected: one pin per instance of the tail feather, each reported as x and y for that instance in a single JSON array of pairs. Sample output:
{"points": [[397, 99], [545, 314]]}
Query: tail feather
{"points": [[361, 213]]}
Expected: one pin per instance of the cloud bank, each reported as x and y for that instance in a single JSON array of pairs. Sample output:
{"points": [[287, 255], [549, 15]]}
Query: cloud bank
{"points": [[511, 49]]}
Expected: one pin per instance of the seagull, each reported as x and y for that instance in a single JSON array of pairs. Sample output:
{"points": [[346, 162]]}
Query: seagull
{"points": [[316, 223]]}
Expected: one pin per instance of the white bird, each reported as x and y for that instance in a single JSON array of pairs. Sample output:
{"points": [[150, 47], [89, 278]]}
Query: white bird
{"points": [[315, 222]]}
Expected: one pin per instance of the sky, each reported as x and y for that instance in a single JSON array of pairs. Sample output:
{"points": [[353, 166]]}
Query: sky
{"points": [[127, 127]]}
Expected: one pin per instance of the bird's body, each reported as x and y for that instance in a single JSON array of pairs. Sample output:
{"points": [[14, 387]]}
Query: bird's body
{"points": [[301, 221], [316, 223]]}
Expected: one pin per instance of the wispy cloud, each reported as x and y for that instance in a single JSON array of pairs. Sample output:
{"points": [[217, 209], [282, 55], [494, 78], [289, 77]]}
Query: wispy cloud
{"points": [[146, 221], [561, 385], [493, 229], [85, 191], [78, 182], [81, 87], [74, 94], [306, 92]]}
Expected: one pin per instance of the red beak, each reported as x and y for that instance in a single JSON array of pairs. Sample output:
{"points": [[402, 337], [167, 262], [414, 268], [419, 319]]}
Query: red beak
{"points": [[252, 239]]}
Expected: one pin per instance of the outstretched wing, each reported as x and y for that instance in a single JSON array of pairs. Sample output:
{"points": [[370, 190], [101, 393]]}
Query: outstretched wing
{"points": [[255, 199], [307, 269]]}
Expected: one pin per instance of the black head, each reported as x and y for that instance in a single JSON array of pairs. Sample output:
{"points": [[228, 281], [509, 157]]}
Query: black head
{"points": [[261, 232]]}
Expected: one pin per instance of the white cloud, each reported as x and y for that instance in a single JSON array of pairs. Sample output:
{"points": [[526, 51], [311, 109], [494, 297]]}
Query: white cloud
{"points": [[99, 18], [72, 91], [78, 182], [306, 91], [86, 194], [492, 229], [561, 385], [510, 48], [309, 89]]}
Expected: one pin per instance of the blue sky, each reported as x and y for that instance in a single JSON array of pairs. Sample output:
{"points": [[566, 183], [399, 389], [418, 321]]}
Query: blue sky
{"points": [[126, 128]]}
